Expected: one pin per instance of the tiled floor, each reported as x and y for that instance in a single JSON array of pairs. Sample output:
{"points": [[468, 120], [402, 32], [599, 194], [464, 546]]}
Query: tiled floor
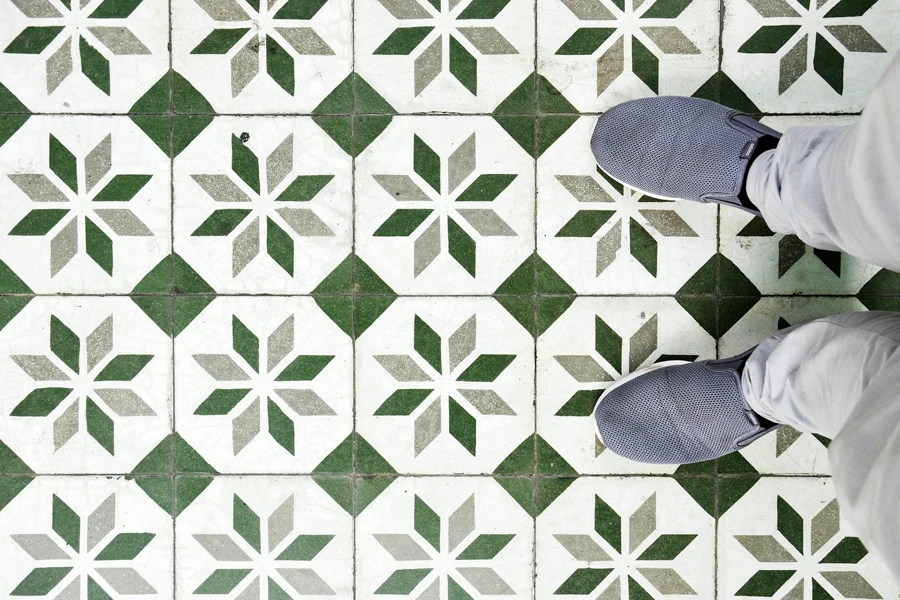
{"points": [[312, 298]]}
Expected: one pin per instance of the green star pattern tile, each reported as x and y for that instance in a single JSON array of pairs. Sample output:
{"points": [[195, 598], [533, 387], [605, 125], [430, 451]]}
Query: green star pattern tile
{"points": [[314, 298]]}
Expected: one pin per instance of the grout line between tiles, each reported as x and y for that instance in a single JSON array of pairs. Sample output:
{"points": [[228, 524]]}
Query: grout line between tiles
{"points": [[395, 114], [354, 445], [717, 309], [718, 338], [173, 508], [716, 533], [349, 475], [473, 296], [536, 309]]}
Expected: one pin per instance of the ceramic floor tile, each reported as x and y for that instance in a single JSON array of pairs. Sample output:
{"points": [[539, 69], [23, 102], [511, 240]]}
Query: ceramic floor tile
{"points": [[612, 538], [282, 56], [445, 385], [459, 56], [444, 205], [599, 53], [95, 56], [85, 537], [595, 342], [605, 238], [263, 385], [86, 204], [87, 385], [790, 56], [787, 538], [314, 299], [262, 537], [444, 538], [263, 205]]}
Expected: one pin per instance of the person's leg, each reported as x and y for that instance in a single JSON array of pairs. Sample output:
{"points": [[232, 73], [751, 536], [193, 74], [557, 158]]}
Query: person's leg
{"points": [[838, 188], [840, 377]]}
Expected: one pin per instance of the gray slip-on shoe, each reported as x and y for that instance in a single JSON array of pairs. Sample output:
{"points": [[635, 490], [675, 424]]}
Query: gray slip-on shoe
{"points": [[679, 412], [679, 148]]}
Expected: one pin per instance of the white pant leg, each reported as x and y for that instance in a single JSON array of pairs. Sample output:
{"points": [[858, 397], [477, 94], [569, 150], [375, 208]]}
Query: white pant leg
{"points": [[840, 376], [838, 188]]}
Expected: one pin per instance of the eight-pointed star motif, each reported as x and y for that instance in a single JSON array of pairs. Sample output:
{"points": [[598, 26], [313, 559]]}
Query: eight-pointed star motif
{"points": [[648, 561], [81, 559], [269, 384], [281, 552], [275, 197], [441, 203], [263, 38], [78, 198], [604, 212], [445, 367], [444, 47], [84, 379], [651, 26], [816, 29], [831, 561], [469, 562], [101, 21]]}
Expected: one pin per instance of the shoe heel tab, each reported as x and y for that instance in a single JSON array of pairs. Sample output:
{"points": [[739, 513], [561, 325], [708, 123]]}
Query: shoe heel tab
{"points": [[750, 126], [741, 443]]}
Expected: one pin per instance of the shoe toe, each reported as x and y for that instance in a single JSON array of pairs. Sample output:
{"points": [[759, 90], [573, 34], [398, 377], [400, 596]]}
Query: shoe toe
{"points": [[674, 415]]}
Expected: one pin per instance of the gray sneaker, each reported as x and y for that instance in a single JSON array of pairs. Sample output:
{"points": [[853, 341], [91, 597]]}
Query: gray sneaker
{"points": [[678, 412], [679, 148]]}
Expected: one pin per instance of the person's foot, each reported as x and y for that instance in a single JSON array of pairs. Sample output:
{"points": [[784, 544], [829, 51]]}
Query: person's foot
{"points": [[679, 148], [678, 412]]}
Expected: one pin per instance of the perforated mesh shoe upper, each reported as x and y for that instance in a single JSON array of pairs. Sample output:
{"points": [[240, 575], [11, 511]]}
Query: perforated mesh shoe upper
{"points": [[679, 414], [676, 147]]}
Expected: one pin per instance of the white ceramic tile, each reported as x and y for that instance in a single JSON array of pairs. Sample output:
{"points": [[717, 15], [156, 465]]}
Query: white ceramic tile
{"points": [[293, 198], [259, 537], [283, 56], [96, 56], [77, 537], [788, 538], [802, 57], [608, 537], [465, 56], [86, 204], [599, 53], [444, 205], [444, 537], [263, 385], [445, 385], [87, 385]]}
